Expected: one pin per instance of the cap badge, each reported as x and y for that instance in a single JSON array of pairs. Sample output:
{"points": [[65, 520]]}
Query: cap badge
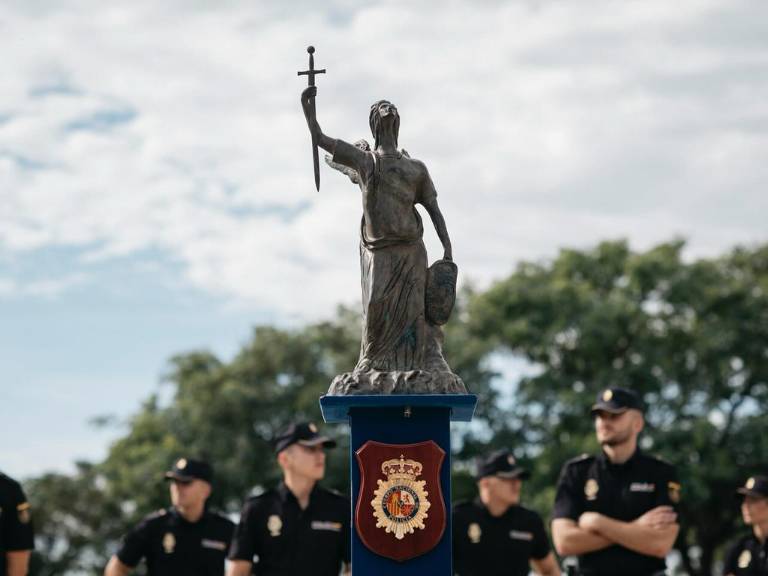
{"points": [[169, 542], [591, 488], [400, 503], [674, 492], [474, 532], [181, 464], [745, 558], [23, 511], [750, 484], [312, 428], [274, 525], [511, 460], [607, 395]]}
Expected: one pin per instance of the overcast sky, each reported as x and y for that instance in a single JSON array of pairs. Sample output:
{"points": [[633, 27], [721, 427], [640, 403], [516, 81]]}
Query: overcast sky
{"points": [[156, 188]]}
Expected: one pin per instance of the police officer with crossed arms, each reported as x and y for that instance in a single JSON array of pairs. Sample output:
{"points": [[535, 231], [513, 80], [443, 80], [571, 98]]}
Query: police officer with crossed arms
{"points": [[494, 535], [299, 528], [749, 555], [16, 535], [184, 540], [616, 510]]}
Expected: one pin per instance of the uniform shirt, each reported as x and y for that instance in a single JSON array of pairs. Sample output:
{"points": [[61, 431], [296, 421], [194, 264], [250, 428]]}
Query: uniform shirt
{"points": [[15, 524], [173, 546], [747, 557], [281, 539], [486, 545], [621, 491]]}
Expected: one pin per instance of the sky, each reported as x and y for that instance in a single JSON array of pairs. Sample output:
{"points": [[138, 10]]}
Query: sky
{"points": [[156, 187]]}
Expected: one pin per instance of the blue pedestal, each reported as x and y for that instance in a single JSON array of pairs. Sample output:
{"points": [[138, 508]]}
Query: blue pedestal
{"points": [[401, 419]]}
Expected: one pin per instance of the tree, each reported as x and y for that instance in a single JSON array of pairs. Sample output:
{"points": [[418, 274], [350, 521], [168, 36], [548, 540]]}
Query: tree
{"points": [[692, 338], [226, 412]]}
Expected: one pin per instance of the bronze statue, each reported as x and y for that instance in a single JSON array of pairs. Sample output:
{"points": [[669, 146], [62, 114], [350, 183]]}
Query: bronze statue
{"points": [[404, 302]]}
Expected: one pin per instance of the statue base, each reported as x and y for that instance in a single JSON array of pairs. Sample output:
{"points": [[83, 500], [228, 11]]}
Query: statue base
{"points": [[399, 421], [373, 382]]}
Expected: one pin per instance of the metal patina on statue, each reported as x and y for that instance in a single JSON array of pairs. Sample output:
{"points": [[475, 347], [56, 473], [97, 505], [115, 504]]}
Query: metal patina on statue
{"points": [[404, 302]]}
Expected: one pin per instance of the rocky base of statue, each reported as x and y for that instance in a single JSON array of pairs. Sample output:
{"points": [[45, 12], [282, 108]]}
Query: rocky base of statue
{"points": [[413, 382]]}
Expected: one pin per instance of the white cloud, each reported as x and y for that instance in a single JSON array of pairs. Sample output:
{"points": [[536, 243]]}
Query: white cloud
{"points": [[40, 287], [543, 124]]}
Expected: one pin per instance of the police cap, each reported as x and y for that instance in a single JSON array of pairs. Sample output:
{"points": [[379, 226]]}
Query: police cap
{"points": [[617, 400], [755, 486], [501, 464], [304, 433], [188, 469]]}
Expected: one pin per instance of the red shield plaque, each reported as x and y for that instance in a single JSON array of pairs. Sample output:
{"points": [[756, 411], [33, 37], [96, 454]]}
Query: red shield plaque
{"points": [[400, 512]]}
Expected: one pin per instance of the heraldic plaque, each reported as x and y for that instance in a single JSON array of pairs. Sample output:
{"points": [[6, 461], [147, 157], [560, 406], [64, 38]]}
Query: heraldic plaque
{"points": [[402, 395]]}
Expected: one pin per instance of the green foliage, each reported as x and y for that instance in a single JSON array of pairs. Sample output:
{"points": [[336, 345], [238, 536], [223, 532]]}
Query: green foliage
{"points": [[692, 337]]}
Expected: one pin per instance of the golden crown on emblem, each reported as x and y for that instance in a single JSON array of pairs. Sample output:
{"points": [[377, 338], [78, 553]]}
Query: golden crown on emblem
{"points": [[401, 468]]}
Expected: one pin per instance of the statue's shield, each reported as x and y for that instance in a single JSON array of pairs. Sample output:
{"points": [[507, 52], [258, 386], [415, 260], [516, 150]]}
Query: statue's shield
{"points": [[440, 295], [400, 512]]}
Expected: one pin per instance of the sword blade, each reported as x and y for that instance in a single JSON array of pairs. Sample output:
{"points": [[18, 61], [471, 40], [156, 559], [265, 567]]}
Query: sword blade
{"points": [[315, 155], [316, 163]]}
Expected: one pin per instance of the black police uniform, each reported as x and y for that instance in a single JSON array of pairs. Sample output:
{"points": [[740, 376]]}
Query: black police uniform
{"points": [[623, 491], [15, 524], [174, 546], [748, 556], [486, 545], [620, 491], [281, 539]]}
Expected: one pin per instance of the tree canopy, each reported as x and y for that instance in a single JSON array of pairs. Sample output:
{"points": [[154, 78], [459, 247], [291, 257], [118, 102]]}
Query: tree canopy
{"points": [[690, 336]]}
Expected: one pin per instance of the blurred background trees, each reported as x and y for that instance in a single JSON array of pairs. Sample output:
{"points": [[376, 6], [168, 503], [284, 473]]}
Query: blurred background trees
{"points": [[690, 336]]}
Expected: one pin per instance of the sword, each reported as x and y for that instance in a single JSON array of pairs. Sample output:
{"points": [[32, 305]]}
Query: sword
{"points": [[310, 74]]}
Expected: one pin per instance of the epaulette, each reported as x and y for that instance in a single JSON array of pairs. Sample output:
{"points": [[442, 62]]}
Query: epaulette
{"points": [[662, 459], [579, 459], [261, 497], [219, 516], [337, 494], [156, 515]]}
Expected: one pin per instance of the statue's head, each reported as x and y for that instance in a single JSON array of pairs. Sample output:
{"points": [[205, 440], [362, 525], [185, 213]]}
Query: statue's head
{"points": [[381, 111]]}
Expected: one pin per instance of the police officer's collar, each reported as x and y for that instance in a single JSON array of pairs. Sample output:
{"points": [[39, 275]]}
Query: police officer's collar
{"points": [[628, 463], [177, 517], [285, 493], [479, 503]]}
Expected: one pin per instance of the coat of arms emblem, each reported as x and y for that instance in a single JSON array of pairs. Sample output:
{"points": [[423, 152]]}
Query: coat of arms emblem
{"points": [[400, 503], [400, 511]]}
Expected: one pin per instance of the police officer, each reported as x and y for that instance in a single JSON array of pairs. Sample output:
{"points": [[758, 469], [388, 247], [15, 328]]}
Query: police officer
{"points": [[494, 535], [299, 528], [749, 555], [185, 539], [616, 511], [16, 536]]}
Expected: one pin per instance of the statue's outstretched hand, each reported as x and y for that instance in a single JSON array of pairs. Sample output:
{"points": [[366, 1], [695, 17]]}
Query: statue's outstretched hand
{"points": [[307, 97]]}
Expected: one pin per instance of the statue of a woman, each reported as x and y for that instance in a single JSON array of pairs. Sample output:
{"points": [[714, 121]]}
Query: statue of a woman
{"points": [[401, 345]]}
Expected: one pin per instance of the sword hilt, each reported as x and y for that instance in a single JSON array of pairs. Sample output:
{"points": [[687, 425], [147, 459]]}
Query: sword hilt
{"points": [[311, 73]]}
